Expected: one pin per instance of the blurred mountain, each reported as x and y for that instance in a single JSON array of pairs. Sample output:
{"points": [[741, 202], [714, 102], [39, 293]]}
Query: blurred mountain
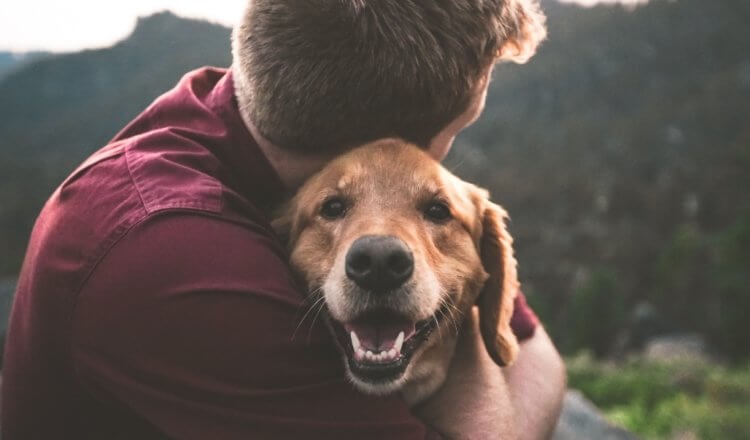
{"points": [[70, 104], [55, 111], [622, 151], [7, 61], [13, 60]]}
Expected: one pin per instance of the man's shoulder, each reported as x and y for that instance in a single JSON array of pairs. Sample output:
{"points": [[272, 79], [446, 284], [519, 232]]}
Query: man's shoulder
{"points": [[194, 251], [173, 149], [187, 152], [121, 195], [191, 150]]}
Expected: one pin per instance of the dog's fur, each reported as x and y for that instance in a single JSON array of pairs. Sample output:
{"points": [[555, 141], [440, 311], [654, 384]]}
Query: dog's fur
{"points": [[464, 261]]}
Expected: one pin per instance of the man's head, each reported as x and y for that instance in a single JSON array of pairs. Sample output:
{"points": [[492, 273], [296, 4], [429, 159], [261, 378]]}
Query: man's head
{"points": [[326, 75]]}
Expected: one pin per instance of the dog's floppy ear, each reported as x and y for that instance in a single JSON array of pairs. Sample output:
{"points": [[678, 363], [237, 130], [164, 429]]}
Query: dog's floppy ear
{"points": [[521, 29], [499, 292]]}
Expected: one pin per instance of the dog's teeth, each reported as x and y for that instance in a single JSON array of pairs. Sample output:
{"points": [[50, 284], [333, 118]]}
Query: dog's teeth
{"points": [[381, 357], [355, 341], [399, 342]]}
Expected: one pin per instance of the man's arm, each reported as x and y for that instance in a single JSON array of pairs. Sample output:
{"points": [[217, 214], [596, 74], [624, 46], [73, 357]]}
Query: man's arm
{"points": [[481, 400], [537, 383]]}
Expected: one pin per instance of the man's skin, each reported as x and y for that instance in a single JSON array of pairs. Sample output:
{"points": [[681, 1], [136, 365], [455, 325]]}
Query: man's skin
{"points": [[479, 399]]}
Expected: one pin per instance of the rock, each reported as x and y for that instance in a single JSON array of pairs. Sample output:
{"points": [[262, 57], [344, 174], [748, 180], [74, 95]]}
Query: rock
{"points": [[644, 324], [581, 420], [676, 347]]}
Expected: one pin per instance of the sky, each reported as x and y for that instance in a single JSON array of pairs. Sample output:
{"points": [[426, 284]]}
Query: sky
{"points": [[70, 25]]}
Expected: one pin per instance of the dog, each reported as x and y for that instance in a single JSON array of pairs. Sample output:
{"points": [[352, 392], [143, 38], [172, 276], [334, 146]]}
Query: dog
{"points": [[400, 250]]}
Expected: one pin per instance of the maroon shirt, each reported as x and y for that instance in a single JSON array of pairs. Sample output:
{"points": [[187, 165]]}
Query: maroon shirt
{"points": [[155, 302]]}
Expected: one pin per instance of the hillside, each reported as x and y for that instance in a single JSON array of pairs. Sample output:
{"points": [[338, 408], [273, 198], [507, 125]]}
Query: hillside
{"points": [[7, 61], [622, 151], [13, 60]]}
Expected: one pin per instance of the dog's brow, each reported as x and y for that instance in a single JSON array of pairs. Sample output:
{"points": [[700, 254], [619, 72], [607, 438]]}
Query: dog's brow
{"points": [[343, 183], [429, 188], [433, 191], [327, 193]]}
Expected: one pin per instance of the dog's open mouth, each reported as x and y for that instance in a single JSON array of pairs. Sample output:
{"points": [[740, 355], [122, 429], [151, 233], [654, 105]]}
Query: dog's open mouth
{"points": [[380, 344]]}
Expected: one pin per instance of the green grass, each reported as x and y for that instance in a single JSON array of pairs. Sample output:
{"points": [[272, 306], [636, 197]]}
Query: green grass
{"points": [[660, 400]]}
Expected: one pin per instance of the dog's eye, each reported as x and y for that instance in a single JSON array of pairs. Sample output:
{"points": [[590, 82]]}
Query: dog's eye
{"points": [[437, 212], [333, 209]]}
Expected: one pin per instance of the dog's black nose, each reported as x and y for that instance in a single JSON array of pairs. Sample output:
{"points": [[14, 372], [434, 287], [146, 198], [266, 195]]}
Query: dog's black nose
{"points": [[379, 262]]}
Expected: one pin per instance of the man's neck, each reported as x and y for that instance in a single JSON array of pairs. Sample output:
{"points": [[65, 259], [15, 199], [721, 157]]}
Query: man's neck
{"points": [[293, 167]]}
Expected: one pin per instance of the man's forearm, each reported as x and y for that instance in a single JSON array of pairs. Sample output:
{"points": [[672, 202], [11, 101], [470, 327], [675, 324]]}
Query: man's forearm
{"points": [[482, 400], [474, 402], [536, 382]]}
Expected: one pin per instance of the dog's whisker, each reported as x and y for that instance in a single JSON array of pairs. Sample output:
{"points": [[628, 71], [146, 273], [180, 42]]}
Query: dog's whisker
{"points": [[450, 312], [315, 318], [454, 323], [448, 316], [310, 299], [455, 311], [457, 165], [309, 302], [319, 301], [450, 302], [437, 325], [312, 296]]}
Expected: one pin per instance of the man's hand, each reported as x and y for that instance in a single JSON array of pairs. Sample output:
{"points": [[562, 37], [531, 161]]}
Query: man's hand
{"points": [[481, 400]]}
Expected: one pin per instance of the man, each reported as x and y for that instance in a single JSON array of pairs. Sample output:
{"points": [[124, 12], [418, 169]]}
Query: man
{"points": [[155, 301]]}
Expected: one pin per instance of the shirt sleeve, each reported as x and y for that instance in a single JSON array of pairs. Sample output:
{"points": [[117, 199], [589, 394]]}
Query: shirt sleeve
{"points": [[194, 324], [524, 320]]}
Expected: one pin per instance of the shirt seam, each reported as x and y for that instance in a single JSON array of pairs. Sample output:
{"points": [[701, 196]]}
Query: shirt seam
{"points": [[213, 205]]}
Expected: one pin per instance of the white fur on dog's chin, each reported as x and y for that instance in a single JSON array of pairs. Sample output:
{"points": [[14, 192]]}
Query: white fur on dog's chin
{"points": [[381, 389]]}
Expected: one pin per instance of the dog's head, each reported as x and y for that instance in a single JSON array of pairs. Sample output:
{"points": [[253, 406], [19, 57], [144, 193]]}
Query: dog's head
{"points": [[400, 249]]}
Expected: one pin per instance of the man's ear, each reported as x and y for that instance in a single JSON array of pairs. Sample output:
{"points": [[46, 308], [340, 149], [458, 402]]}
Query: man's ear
{"points": [[499, 292], [521, 29]]}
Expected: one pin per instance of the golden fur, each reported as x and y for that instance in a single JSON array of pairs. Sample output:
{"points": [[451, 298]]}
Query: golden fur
{"points": [[464, 261]]}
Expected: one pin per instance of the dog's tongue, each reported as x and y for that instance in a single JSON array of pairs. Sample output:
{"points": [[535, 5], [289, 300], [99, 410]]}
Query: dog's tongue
{"points": [[378, 332]]}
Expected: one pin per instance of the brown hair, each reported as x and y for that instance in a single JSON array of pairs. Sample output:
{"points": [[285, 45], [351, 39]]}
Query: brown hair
{"points": [[329, 74]]}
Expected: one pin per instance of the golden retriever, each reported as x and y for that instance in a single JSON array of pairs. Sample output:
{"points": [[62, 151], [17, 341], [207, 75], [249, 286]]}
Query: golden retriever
{"points": [[400, 249]]}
